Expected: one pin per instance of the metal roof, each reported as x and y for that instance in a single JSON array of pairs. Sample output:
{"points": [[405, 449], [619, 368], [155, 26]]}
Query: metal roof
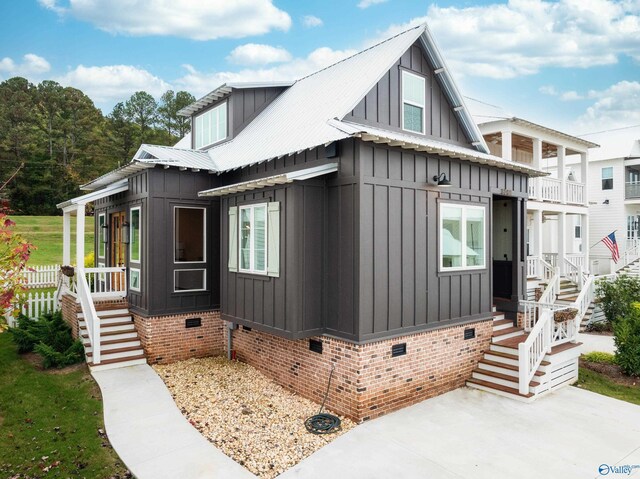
{"points": [[303, 174], [428, 145], [615, 143], [224, 90], [112, 189]]}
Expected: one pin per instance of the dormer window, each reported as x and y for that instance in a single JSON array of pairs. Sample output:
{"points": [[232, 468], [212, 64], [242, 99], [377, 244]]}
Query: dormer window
{"points": [[211, 126], [413, 99]]}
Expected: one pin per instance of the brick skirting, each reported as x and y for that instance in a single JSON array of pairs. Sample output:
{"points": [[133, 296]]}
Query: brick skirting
{"points": [[367, 381], [166, 339]]}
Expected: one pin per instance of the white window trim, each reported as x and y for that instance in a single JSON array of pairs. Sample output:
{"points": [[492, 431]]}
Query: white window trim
{"points": [[463, 239], [251, 269], [408, 102], [204, 234], [131, 210], [204, 280], [194, 123], [101, 243], [131, 270]]}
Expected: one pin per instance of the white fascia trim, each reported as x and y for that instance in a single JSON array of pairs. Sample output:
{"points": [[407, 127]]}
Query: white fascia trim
{"points": [[117, 187], [299, 175]]}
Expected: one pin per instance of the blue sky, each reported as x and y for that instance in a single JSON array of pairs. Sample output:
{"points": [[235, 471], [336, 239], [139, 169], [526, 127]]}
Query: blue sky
{"points": [[572, 65]]}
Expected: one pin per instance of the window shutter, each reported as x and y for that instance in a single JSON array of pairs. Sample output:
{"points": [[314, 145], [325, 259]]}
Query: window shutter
{"points": [[233, 238], [273, 243]]}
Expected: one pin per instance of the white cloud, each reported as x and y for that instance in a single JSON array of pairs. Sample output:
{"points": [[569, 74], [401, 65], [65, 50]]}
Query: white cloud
{"points": [[199, 83], [32, 66], [113, 83], [367, 3], [548, 90], [617, 106], [312, 21], [257, 54], [198, 20], [524, 36], [571, 96]]}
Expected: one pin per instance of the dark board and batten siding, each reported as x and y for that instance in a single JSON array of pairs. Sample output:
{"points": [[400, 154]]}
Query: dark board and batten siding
{"points": [[136, 195], [400, 286], [382, 106]]}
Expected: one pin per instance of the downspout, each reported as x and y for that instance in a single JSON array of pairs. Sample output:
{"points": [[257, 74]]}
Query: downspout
{"points": [[230, 327]]}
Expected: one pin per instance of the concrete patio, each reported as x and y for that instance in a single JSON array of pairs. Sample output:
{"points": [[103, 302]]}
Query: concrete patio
{"points": [[472, 434], [596, 342]]}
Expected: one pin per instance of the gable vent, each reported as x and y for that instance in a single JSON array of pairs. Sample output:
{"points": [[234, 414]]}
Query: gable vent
{"points": [[398, 350], [315, 346]]}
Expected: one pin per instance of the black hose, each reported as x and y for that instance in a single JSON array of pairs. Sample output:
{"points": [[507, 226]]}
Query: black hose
{"points": [[323, 423]]}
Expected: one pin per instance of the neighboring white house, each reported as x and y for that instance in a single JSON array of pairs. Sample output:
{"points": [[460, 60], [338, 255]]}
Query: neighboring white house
{"points": [[614, 194], [558, 209]]}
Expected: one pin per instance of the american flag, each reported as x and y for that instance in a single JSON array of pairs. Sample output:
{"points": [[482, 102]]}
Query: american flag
{"points": [[610, 242]]}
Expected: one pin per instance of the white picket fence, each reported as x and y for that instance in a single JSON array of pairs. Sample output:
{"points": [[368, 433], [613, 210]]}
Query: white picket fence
{"points": [[33, 305], [42, 276]]}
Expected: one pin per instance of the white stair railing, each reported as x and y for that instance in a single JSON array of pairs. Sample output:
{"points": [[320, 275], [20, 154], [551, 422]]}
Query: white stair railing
{"points": [[107, 282], [532, 351], [574, 273], [551, 291], [630, 254], [548, 270], [90, 315]]}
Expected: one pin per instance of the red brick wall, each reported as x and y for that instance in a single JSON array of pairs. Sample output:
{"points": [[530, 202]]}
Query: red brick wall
{"points": [[70, 309], [367, 381], [165, 339]]}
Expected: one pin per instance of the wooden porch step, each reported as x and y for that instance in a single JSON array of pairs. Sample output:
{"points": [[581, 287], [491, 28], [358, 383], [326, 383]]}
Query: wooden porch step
{"points": [[499, 387], [504, 377], [564, 347], [110, 341], [109, 333], [500, 322], [506, 366], [512, 356], [118, 360], [109, 325], [118, 350]]}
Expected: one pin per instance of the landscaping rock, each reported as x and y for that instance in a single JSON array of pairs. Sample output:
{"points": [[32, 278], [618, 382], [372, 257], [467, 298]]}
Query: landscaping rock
{"points": [[247, 416]]}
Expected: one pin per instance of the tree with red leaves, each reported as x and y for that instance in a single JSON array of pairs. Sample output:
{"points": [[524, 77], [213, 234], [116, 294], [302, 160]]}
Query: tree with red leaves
{"points": [[14, 254]]}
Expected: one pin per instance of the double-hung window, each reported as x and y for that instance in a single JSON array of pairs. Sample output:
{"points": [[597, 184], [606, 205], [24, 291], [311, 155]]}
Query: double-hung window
{"points": [[253, 238], [413, 102], [607, 178], [211, 126], [135, 248], [462, 237]]}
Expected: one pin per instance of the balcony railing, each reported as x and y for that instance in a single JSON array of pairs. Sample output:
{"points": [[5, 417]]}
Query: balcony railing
{"points": [[632, 190], [550, 189]]}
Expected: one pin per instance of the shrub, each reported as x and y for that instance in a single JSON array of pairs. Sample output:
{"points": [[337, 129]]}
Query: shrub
{"points": [[90, 260], [599, 357], [599, 327], [626, 332], [616, 296], [50, 337]]}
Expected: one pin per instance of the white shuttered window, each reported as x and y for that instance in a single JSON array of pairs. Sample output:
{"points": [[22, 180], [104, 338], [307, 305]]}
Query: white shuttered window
{"points": [[254, 238]]}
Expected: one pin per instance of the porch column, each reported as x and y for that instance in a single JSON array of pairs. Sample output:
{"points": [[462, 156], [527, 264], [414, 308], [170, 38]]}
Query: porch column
{"points": [[562, 233], [80, 237], [584, 233], [537, 152], [537, 233], [506, 145], [561, 174], [66, 237], [584, 172]]}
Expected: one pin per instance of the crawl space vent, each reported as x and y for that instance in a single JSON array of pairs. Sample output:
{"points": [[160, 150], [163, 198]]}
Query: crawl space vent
{"points": [[398, 350], [469, 333], [193, 322], [315, 346]]}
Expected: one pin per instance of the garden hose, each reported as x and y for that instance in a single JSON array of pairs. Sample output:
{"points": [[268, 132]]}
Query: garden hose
{"points": [[323, 423]]}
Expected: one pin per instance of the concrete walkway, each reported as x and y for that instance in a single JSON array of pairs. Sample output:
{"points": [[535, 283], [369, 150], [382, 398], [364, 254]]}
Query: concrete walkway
{"points": [[468, 433], [150, 434], [596, 342]]}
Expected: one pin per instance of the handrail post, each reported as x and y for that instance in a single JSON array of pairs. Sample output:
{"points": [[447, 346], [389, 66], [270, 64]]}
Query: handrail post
{"points": [[523, 361]]}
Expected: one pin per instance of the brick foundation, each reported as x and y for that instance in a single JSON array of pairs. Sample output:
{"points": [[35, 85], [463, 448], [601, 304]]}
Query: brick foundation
{"points": [[367, 381], [165, 339], [70, 309], [520, 319]]}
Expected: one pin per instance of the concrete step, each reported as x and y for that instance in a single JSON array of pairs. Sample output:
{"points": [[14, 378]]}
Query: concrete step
{"points": [[117, 363]]}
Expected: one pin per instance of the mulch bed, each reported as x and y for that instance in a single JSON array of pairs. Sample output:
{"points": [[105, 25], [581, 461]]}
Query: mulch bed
{"points": [[613, 372], [247, 416], [36, 360]]}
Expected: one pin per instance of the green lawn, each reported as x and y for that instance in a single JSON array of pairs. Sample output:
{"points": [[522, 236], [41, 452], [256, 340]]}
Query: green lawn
{"points": [[50, 420], [599, 383], [46, 233]]}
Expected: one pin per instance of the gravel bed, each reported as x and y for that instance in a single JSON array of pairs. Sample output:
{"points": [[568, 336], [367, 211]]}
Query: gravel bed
{"points": [[253, 420]]}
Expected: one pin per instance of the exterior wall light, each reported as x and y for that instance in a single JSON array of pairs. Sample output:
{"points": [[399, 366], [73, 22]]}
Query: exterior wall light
{"points": [[105, 233], [125, 233], [442, 180]]}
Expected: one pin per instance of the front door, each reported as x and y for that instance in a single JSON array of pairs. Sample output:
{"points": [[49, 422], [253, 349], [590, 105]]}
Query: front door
{"points": [[117, 251]]}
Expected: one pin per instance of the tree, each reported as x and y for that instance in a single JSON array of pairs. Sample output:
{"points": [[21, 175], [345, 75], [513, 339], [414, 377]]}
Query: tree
{"points": [[14, 254], [142, 110], [170, 104], [121, 134], [50, 97]]}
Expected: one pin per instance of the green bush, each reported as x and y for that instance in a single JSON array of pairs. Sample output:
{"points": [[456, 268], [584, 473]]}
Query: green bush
{"points": [[617, 296], [599, 327], [599, 357], [626, 332], [50, 337]]}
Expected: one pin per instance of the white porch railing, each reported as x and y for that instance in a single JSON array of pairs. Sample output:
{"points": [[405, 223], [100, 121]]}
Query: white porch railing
{"points": [[630, 254], [577, 259], [545, 189], [574, 273], [42, 276], [574, 193], [90, 315], [532, 351], [104, 282], [551, 258], [539, 268], [551, 291]]}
